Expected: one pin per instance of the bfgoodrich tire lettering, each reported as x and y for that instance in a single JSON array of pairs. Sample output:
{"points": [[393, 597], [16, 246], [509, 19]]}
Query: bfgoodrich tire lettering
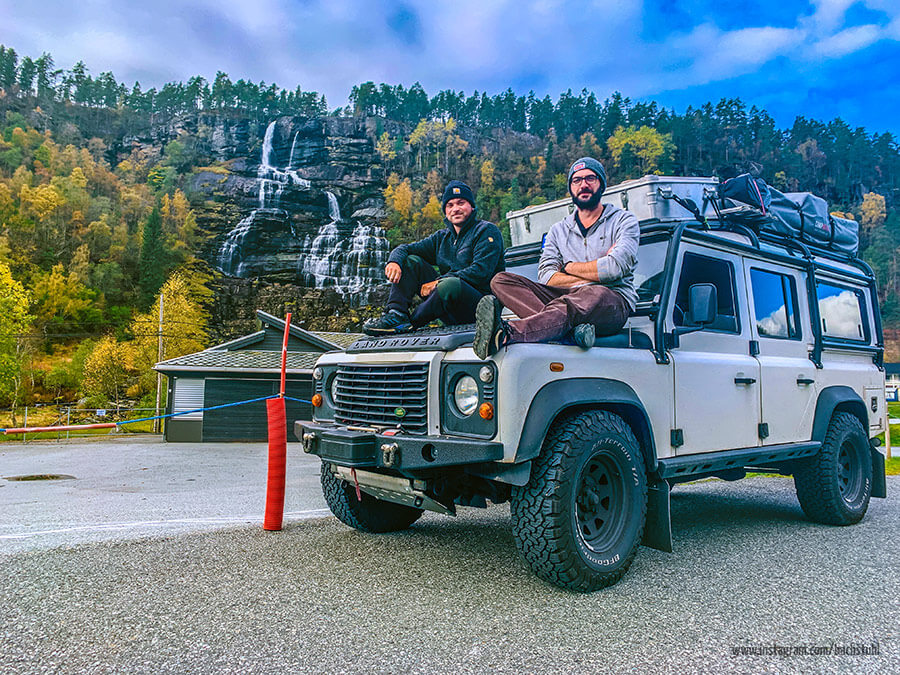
{"points": [[835, 485], [579, 520], [368, 514]]}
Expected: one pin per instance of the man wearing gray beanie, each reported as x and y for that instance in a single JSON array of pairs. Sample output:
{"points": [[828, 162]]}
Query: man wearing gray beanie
{"points": [[586, 275], [468, 252]]}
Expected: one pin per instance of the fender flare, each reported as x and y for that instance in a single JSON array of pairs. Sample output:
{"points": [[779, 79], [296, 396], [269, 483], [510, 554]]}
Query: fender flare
{"points": [[558, 396], [831, 399]]}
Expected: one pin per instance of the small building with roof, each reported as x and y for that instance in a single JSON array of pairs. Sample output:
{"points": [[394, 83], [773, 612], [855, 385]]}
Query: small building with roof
{"points": [[246, 368], [892, 381]]}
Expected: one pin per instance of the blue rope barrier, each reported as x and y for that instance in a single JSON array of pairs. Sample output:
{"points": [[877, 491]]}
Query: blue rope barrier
{"points": [[196, 410], [188, 412]]}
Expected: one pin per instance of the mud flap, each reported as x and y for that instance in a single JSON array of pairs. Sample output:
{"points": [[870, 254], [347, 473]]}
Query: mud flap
{"points": [[658, 528], [879, 483]]}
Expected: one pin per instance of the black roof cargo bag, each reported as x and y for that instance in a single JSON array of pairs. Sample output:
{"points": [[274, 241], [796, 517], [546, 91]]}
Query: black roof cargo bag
{"points": [[796, 215]]}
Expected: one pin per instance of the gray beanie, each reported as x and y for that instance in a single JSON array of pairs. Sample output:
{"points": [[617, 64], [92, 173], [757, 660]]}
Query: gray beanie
{"points": [[593, 165]]}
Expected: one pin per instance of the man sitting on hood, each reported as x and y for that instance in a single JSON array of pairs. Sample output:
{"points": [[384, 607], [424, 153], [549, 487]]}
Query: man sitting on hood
{"points": [[468, 252], [586, 274]]}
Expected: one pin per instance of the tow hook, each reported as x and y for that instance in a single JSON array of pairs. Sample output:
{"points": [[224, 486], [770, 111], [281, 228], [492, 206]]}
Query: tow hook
{"points": [[309, 441], [390, 454]]}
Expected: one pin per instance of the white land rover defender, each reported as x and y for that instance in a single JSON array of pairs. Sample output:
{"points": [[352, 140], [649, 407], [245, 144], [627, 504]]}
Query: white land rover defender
{"points": [[748, 351]]}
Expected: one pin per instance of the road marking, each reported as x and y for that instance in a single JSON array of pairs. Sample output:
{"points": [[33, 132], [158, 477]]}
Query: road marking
{"points": [[102, 527]]}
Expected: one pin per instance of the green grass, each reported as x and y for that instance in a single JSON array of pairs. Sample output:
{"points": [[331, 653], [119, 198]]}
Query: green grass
{"points": [[892, 466], [133, 428]]}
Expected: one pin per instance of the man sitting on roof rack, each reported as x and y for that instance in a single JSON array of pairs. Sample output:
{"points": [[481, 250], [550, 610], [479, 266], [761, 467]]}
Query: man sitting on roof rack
{"points": [[586, 269], [468, 252]]}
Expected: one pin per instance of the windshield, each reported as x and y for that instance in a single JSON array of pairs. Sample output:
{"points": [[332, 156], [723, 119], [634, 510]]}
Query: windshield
{"points": [[650, 269]]}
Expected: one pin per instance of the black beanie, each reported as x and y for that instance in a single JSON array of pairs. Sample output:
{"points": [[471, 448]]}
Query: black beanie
{"points": [[593, 165], [456, 189]]}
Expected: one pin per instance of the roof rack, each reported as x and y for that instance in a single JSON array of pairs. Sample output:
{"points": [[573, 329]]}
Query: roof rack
{"points": [[808, 257]]}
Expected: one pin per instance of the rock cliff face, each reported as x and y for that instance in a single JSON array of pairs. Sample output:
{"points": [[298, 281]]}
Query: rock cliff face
{"points": [[289, 212], [280, 216]]}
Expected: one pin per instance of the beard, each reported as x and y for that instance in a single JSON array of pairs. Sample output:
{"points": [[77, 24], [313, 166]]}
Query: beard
{"points": [[588, 203]]}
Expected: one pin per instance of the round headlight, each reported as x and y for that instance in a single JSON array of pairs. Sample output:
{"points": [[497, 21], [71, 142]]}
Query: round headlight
{"points": [[333, 389], [486, 374], [465, 395], [317, 373]]}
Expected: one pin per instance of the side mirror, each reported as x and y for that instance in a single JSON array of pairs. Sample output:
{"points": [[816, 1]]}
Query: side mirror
{"points": [[702, 310], [702, 304]]}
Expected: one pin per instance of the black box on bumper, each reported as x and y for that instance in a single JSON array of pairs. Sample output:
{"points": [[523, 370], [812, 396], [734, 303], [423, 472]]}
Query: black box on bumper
{"points": [[354, 448]]}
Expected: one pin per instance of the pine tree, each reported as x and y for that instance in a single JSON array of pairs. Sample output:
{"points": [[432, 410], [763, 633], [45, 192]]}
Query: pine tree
{"points": [[151, 261]]}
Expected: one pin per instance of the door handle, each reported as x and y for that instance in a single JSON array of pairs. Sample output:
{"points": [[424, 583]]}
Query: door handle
{"points": [[744, 380], [805, 380]]}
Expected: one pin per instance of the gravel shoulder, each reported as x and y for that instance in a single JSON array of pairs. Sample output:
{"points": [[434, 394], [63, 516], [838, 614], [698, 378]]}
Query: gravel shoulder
{"points": [[452, 595]]}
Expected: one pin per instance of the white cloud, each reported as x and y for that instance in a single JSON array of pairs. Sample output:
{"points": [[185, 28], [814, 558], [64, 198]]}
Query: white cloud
{"points": [[829, 15], [716, 54], [840, 315], [847, 41], [330, 45], [775, 324]]}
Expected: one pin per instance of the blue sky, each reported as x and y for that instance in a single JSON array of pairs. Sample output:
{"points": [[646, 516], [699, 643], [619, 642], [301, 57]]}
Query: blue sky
{"points": [[818, 58]]}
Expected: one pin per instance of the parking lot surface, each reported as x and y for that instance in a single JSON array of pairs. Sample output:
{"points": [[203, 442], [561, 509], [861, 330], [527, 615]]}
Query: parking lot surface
{"points": [[194, 583]]}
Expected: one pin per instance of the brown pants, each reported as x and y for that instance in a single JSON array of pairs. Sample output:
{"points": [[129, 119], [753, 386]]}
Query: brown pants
{"points": [[547, 313]]}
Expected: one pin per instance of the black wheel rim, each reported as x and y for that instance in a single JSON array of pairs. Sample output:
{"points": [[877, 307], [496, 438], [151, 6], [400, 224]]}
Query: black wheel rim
{"points": [[599, 502], [849, 472]]}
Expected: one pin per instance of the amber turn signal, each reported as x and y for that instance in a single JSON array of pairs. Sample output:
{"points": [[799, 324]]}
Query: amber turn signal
{"points": [[317, 400], [486, 411]]}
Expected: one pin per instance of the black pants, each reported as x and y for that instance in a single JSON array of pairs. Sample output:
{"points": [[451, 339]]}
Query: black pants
{"points": [[452, 301]]}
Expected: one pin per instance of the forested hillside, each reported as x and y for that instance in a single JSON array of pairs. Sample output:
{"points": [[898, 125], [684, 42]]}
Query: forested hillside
{"points": [[100, 208]]}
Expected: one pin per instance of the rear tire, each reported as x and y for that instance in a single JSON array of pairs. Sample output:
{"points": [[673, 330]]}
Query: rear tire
{"points": [[834, 486], [368, 514], [579, 520]]}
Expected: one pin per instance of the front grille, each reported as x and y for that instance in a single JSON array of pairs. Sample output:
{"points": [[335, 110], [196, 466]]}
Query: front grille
{"points": [[372, 395]]}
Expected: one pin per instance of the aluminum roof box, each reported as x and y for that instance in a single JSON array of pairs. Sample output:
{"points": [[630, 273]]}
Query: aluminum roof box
{"points": [[644, 197]]}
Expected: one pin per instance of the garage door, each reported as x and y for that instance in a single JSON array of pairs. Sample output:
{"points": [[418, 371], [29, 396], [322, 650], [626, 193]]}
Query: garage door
{"points": [[248, 422]]}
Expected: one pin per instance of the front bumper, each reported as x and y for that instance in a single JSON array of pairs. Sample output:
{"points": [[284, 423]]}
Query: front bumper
{"points": [[359, 448]]}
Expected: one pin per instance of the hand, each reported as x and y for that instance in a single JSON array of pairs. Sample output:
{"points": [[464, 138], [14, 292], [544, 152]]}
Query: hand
{"points": [[426, 289], [393, 271]]}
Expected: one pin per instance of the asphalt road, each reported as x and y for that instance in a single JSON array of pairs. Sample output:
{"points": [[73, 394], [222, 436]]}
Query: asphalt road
{"points": [[450, 595]]}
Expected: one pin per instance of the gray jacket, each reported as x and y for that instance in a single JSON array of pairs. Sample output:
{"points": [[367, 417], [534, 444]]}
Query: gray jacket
{"points": [[612, 241]]}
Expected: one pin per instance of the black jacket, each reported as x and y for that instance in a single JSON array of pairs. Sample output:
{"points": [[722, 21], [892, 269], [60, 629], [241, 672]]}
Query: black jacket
{"points": [[475, 255]]}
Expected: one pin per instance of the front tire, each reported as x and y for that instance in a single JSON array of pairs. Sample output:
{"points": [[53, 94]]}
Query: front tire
{"points": [[834, 486], [579, 520], [367, 514]]}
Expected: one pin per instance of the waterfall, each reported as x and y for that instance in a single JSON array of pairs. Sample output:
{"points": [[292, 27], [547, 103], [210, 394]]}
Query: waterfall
{"points": [[345, 255], [290, 165], [353, 264], [230, 253], [272, 183], [334, 210]]}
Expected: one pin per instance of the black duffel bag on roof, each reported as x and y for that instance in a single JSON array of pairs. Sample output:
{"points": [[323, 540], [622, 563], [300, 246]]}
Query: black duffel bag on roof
{"points": [[796, 215]]}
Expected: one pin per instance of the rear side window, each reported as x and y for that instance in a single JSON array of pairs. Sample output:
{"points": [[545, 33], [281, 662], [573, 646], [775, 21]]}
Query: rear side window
{"points": [[775, 304], [841, 310], [701, 269]]}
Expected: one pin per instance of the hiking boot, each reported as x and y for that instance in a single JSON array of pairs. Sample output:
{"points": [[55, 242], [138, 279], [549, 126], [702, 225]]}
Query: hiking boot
{"points": [[490, 331], [391, 322], [584, 335]]}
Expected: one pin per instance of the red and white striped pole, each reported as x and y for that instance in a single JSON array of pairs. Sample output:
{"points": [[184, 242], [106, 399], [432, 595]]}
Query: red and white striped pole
{"points": [[277, 422]]}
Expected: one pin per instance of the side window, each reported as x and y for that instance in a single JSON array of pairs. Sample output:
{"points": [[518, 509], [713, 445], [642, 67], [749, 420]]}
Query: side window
{"points": [[701, 269], [775, 304], [841, 311]]}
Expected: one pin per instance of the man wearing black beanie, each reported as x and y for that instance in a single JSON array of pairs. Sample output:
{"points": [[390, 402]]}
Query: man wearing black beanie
{"points": [[468, 252]]}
